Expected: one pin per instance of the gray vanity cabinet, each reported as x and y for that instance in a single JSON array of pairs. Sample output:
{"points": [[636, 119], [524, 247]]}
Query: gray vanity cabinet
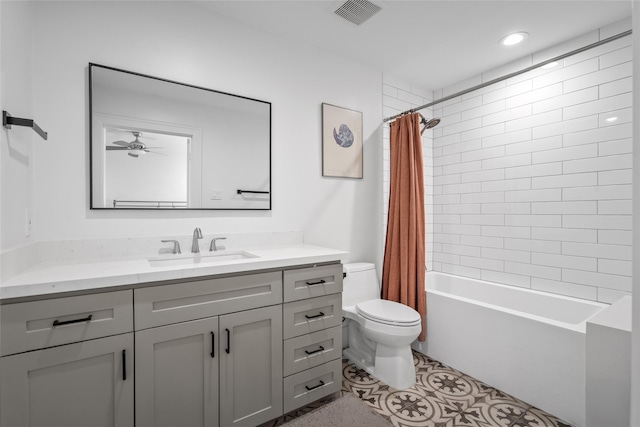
{"points": [[88, 383], [68, 362], [210, 353], [221, 351], [312, 318], [177, 375], [251, 367], [179, 367]]}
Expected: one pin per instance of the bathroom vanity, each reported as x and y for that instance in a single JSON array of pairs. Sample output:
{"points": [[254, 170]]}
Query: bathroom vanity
{"points": [[238, 342]]}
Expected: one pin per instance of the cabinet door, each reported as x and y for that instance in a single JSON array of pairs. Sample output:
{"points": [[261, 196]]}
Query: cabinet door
{"points": [[251, 366], [89, 383], [177, 375]]}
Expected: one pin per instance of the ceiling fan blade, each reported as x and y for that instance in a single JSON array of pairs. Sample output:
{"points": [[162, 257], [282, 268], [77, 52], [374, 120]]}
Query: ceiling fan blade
{"points": [[122, 143], [116, 148], [155, 152], [132, 155]]}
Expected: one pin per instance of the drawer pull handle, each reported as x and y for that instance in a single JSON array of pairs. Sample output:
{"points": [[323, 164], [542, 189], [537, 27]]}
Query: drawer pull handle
{"points": [[315, 316], [315, 386], [320, 282], [315, 351], [213, 345], [228, 349], [68, 322], [124, 365]]}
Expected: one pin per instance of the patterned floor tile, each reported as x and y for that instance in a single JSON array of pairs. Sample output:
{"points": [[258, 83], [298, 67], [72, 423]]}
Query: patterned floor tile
{"points": [[545, 419], [441, 397], [466, 416], [369, 389], [494, 409], [449, 387], [424, 412], [421, 359]]}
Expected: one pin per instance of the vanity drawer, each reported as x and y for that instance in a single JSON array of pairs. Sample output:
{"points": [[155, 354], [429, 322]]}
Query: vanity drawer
{"points": [[47, 323], [312, 282], [307, 351], [310, 385], [311, 315], [164, 305]]}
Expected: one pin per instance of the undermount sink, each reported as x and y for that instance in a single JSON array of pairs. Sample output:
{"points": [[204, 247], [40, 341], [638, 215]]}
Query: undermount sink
{"points": [[199, 259]]}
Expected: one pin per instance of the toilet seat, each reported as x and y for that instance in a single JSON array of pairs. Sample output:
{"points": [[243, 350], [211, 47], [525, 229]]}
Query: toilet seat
{"points": [[388, 313]]}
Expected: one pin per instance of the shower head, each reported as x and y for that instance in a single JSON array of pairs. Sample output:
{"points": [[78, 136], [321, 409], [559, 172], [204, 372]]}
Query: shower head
{"points": [[432, 123], [428, 124]]}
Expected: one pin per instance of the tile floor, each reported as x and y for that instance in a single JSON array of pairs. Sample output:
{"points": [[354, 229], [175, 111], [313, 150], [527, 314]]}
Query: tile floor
{"points": [[442, 397]]}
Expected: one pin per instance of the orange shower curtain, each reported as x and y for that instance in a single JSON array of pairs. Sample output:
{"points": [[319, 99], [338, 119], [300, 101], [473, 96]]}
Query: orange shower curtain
{"points": [[404, 256]]}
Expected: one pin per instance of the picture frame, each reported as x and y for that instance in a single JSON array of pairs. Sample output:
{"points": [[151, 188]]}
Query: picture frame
{"points": [[341, 142]]}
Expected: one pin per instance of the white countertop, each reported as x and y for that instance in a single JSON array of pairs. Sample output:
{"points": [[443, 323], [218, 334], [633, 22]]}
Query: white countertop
{"points": [[102, 273]]}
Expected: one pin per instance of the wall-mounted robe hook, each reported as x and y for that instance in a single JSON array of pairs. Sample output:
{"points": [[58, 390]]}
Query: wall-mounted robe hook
{"points": [[7, 121]]}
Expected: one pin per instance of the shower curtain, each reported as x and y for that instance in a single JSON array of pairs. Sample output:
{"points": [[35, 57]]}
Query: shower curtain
{"points": [[404, 252]]}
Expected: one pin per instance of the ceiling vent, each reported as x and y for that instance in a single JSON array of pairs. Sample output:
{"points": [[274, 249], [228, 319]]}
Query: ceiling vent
{"points": [[356, 11]]}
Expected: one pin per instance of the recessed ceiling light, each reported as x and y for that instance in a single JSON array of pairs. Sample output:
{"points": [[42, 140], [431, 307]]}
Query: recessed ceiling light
{"points": [[514, 38], [550, 65], [612, 119]]}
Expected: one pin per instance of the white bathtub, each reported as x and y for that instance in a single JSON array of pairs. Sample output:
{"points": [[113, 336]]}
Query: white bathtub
{"points": [[526, 343]]}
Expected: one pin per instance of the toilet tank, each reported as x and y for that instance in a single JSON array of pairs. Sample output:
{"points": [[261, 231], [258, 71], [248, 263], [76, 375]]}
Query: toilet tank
{"points": [[360, 283]]}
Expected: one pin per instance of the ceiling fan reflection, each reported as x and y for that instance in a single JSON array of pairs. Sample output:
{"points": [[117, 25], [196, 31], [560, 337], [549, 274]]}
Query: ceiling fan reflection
{"points": [[134, 148]]}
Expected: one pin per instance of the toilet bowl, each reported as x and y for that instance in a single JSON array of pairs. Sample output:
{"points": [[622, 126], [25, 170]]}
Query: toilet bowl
{"points": [[380, 331]]}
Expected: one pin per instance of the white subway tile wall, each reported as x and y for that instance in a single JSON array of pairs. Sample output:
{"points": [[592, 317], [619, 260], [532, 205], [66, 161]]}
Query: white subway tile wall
{"points": [[529, 182], [399, 96]]}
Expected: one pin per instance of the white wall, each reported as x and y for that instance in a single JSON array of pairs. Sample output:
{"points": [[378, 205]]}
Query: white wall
{"points": [[182, 41], [532, 186], [400, 96], [15, 144]]}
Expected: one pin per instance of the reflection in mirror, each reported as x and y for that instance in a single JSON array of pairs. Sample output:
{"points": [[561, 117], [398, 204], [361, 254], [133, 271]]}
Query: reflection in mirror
{"points": [[157, 144], [146, 170]]}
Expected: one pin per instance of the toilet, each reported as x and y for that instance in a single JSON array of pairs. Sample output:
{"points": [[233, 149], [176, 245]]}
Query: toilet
{"points": [[380, 331]]}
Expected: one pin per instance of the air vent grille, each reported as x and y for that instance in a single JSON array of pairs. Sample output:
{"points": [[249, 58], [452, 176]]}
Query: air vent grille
{"points": [[357, 11]]}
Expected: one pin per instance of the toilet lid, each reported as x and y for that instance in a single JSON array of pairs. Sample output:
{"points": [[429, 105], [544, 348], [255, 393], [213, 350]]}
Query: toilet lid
{"points": [[388, 312]]}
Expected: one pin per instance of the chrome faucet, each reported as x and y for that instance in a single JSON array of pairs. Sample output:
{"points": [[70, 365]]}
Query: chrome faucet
{"points": [[213, 247], [176, 245], [197, 234]]}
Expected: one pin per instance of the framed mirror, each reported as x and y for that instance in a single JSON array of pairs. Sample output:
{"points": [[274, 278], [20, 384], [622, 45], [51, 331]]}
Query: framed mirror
{"points": [[160, 144]]}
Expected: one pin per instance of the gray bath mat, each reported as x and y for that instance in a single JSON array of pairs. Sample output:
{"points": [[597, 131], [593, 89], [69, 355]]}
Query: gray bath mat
{"points": [[345, 411]]}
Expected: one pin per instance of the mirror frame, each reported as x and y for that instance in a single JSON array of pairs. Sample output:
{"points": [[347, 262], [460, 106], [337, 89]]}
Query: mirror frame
{"points": [[91, 148]]}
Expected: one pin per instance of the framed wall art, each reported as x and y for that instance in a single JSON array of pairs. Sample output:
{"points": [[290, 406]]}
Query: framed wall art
{"points": [[341, 142]]}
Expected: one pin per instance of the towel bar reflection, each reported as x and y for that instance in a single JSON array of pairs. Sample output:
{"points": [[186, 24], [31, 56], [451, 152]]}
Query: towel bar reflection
{"points": [[149, 204], [252, 192], [7, 121]]}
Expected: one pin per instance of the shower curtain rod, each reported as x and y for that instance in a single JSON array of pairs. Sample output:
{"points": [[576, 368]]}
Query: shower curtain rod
{"points": [[510, 75]]}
